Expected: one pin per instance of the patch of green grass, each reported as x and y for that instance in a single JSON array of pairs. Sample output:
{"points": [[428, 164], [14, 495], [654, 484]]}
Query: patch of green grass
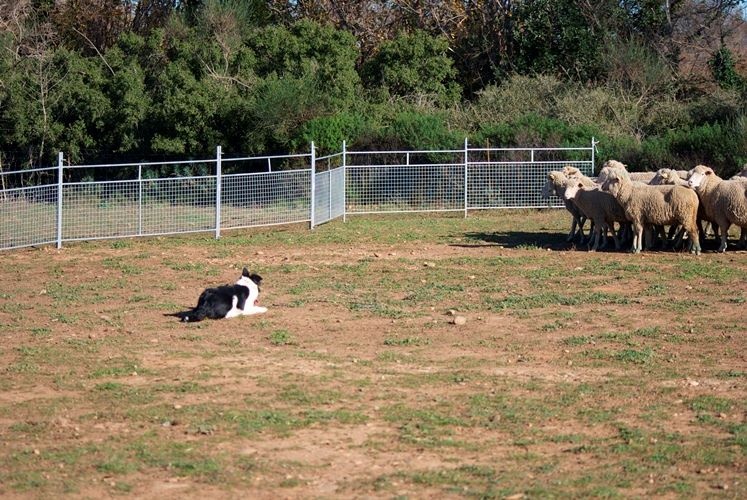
{"points": [[407, 341], [547, 299], [184, 459], [727, 374], [577, 340], [648, 332], [716, 272], [281, 337], [119, 264], [708, 403], [638, 357], [296, 395], [40, 331], [120, 244], [64, 293]]}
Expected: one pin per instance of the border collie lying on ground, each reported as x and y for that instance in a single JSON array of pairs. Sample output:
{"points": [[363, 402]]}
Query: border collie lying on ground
{"points": [[227, 301]]}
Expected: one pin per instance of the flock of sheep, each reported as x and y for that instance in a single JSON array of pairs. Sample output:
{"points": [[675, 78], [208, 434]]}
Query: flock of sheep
{"points": [[643, 203]]}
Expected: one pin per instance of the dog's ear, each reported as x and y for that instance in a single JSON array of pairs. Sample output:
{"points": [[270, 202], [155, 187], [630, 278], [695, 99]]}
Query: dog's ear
{"points": [[245, 273], [256, 278]]}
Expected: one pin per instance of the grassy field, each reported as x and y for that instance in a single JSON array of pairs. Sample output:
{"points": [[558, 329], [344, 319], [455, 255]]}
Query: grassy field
{"points": [[401, 357]]}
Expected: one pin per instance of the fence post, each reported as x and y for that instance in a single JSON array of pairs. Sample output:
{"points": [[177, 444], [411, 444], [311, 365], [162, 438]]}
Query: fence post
{"points": [[139, 200], [466, 163], [218, 154], [344, 181], [60, 168], [313, 185], [593, 149]]}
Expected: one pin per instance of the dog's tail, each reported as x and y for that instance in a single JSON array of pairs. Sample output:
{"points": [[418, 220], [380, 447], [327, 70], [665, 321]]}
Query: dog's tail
{"points": [[190, 316], [193, 316]]}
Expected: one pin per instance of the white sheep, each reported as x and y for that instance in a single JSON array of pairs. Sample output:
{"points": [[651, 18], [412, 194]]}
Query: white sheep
{"points": [[724, 201], [651, 232], [599, 206], [644, 204], [742, 175], [670, 176], [609, 165], [556, 184], [677, 177]]}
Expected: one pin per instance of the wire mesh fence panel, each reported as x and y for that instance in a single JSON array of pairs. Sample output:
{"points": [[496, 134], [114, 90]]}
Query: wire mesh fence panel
{"points": [[322, 198], [110, 201], [513, 185], [99, 210], [265, 199], [179, 205], [405, 188], [28, 216], [337, 193]]}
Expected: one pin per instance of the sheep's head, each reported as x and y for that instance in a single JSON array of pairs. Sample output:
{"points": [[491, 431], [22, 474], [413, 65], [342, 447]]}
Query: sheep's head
{"points": [[555, 184], [615, 164], [608, 167], [570, 171], [615, 178], [669, 176], [572, 189], [660, 177], [699, 176]]}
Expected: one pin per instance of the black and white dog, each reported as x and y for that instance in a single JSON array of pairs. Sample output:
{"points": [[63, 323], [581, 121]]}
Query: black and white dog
{"points": [[228, 301]]}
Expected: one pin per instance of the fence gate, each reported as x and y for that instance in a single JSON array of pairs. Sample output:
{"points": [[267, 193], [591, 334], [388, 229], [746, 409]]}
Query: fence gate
{"points": [[329, 187]]}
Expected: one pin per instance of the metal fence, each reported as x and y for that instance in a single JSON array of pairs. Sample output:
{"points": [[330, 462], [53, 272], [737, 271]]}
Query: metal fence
{"points": [[78, 202]]}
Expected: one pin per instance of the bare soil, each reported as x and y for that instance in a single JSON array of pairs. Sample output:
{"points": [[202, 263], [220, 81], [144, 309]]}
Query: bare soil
{"points": [[574, 374]]}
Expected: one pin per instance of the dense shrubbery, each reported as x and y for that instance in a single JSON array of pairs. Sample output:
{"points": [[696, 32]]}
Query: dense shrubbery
{"points": [[255, 78]]}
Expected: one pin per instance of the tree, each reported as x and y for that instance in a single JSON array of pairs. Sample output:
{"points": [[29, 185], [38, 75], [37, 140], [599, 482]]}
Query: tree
{"points": [[724, 70], [414, 64], [91, 27]]}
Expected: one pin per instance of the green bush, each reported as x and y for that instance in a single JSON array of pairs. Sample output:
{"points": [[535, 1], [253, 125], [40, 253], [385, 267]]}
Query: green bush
{"points": [[412, 64], [532, 130], [418, 130], [328, 132]]}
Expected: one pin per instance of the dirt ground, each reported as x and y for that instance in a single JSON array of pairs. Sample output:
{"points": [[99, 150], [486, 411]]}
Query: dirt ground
{"points": [[430, 358]]}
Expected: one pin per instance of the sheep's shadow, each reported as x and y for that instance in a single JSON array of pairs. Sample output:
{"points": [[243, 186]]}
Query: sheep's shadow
{"points": [[514, 239]]}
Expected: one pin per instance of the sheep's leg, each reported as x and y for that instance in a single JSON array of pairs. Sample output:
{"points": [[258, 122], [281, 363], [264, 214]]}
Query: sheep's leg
{"points": [[724, 229], [598, 232], [649, 236], [614, 236], [581, 222], [592, 244], [743, 238], [680, 236], [605, 229], [637, 237], [675, 230], [572, 233], [692, 233]]}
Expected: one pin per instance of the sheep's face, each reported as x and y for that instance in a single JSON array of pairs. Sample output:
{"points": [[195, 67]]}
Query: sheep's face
{"points": [[699, 176], [612, 184], [550, 185], [570, 171], [670, 176], [572, 189]]}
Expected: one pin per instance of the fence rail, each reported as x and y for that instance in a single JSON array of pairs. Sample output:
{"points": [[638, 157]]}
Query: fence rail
{"points": [[53, 205]]}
